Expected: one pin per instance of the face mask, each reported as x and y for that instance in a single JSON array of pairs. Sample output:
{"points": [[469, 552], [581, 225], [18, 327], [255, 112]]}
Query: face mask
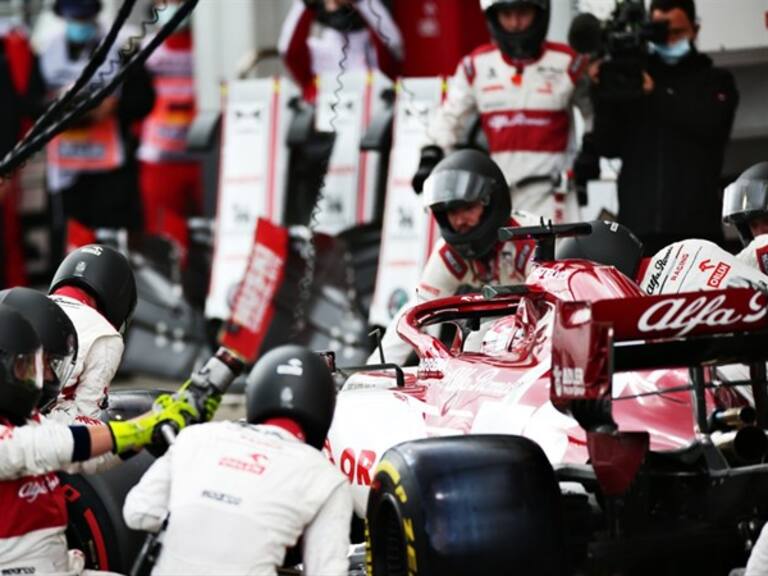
{"points": [[79, 32], [164, 16], [672, 53]]}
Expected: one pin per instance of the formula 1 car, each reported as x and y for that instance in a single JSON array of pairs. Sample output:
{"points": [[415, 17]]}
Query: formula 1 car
{"points": [[574, 426]]}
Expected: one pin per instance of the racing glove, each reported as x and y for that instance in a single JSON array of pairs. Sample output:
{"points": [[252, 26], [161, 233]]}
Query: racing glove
{"points": [[430, 157], [144, 429], [205, 400]]}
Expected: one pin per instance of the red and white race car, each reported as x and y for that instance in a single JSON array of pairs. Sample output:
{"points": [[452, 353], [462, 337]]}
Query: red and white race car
{"points": [[574, 425]]}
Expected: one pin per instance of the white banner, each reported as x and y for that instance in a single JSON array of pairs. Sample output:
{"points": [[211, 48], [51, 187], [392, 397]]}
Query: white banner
{"points": [[349, 195], [252, 178], [409, 231]]}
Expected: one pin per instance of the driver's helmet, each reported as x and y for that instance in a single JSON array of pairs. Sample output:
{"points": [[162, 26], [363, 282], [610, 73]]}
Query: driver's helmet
{"points": [[610, 243], [747, 199], [57, 335], [21, 367], [463, 178], [292, 382], [524, 45]]}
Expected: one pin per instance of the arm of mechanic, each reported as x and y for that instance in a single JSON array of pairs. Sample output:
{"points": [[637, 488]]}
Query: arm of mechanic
{"points": [[146, 505], [326, 539], [385, 34], [293, 46], [41, 448], [446, 126], [99, 370]]}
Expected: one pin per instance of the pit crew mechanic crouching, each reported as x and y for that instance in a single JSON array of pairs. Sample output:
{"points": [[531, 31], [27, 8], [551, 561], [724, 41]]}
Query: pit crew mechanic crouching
{"points": [[469, 198], [745, 206], [34, 513], [237, 494], [524, 89], [95, 286]]}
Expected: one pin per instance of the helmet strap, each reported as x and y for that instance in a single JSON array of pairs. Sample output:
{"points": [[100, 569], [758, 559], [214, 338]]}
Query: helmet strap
{"points": [[289, 425]]}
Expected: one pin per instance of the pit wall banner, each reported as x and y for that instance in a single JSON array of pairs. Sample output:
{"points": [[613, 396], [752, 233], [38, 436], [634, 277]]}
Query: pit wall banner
{"points": [[252, 180], [409, 231], [346, 106]]}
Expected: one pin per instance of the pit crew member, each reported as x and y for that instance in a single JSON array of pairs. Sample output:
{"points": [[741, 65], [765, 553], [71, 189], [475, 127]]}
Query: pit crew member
{"points": [[263, 482], [469, 198], [745, 206], [523, 88], [317, 34], [96, 288], [34, 518]]}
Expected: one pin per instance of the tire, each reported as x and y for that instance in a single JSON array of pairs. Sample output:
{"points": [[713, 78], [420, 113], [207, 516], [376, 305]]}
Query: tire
{"points": [[463, 506]]}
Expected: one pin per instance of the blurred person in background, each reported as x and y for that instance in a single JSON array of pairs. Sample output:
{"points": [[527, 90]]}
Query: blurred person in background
{"points": [[524, 88], [315, 32], [92, 173], [21, 97], [671, 137], [171, 186]]}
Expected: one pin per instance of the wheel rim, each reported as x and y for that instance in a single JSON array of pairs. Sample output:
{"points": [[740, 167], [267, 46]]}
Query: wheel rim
{"points": [[390, 554]]}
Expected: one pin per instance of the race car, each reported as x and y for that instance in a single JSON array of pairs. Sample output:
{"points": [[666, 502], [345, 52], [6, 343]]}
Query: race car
{"points": [[573, 425]]}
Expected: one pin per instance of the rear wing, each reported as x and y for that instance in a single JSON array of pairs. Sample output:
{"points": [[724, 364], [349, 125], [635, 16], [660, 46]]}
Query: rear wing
{"points": [[592, 341]]}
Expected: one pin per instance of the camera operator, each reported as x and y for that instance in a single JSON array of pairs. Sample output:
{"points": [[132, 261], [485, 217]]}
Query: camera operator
{"points": [[670, 135]]}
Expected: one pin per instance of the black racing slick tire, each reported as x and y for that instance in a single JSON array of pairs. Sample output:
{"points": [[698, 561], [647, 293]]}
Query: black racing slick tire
{"points": [[461, 506]]}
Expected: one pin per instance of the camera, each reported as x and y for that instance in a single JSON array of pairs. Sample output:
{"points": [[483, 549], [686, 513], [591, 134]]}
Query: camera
{"points": [[623, 43]]}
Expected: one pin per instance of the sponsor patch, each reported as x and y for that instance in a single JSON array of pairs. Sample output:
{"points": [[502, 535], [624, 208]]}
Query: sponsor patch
{"points": [[762, 258], [455, 263], [523, 255], [717, 277], [221, 497], [256, 465]]}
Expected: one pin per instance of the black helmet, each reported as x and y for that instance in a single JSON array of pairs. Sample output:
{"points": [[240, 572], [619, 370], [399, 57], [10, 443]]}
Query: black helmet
{"points": [[524, 45], [79, 9], [345, 18], [21, 366], [292, 382], [610, 243], [57, 335], [462, 178], [746, 199], [105, 274]]}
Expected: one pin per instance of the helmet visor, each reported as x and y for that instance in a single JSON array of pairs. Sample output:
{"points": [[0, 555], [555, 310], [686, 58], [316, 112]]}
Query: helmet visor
{"points": [[61, 367], [453, 188], [744, 197], [26, 369]]}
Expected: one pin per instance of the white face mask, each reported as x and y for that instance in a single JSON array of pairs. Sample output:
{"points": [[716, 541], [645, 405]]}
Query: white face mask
{"points": [[672, 53]]}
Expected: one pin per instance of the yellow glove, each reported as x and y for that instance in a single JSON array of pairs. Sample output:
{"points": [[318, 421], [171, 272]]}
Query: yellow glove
{"points": [[206, 400], [140, 431]]}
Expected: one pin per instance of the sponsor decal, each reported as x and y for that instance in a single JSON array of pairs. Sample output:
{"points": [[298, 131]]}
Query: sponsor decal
{"points": [[680, 266], [762, 259], [357, 467], [428, 289], [568, 381], [293, 367], [455, 263], [683, 317], [256, 465], [706, 265], [657, 271], [221, 497], [93, 249], [32, 490], [717, 277], [14, 571], [501, 121]]}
